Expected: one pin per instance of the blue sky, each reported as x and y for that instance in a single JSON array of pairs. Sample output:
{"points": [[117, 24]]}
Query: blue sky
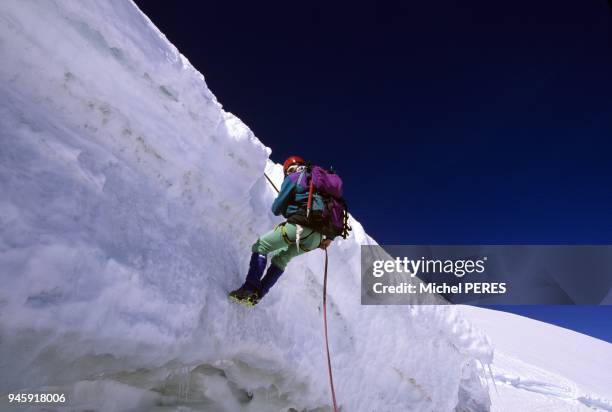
{"points": [[451, 122]]}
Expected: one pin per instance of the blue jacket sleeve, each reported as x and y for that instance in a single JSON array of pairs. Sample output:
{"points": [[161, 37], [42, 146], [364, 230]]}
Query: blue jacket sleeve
{"points": [[284, 197]]}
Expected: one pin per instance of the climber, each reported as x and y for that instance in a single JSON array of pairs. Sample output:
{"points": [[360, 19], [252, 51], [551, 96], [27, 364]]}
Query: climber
{"points": [[308, 226]]}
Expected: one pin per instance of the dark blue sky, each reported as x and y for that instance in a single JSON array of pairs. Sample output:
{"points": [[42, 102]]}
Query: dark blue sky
{"points": [[450, 121]]}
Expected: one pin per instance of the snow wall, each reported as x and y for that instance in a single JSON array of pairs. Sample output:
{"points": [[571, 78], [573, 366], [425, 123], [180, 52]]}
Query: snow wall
{"points": [[128, 204]]}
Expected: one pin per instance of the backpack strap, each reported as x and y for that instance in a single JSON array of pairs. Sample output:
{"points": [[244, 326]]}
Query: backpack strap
{"points": [[301, 177]]}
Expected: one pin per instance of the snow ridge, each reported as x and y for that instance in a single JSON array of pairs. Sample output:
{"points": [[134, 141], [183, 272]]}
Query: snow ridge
{"points": [[539, 366], [555, 388]]}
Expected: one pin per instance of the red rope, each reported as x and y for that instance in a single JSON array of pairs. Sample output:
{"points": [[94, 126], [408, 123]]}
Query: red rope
{"points": [[329, 368]]}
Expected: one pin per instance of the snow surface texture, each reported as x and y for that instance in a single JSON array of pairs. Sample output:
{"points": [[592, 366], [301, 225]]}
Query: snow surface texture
{"points": [[129, 203], [542, 367]]}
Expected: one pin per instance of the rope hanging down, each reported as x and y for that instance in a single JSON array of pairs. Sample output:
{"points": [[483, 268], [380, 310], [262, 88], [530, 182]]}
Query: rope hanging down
{"points": [[271, 182], [329, 368]]}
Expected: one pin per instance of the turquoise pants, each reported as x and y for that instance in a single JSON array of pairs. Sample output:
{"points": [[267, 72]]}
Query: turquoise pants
{"points": [[281, 240]]}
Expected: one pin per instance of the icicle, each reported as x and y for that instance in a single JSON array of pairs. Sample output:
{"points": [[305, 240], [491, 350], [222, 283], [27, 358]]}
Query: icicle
{"points": [[493, 379]]}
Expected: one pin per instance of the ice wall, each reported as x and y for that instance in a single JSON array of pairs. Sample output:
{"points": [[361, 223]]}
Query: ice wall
{"points": [[128, 203]]}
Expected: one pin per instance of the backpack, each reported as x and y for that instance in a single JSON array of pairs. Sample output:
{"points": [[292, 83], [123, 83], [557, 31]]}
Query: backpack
{"points": [[326, 209]]}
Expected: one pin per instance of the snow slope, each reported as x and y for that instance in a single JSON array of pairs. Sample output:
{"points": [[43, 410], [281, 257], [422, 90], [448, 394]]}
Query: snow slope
{"points": [[542, 367], [129, 201]]}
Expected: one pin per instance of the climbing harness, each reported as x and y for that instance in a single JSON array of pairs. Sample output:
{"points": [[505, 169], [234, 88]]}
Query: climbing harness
{"points": [[298, 235]]}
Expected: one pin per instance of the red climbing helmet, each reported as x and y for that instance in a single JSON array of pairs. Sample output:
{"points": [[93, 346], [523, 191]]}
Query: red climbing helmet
{"points": [[292, 160]]}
